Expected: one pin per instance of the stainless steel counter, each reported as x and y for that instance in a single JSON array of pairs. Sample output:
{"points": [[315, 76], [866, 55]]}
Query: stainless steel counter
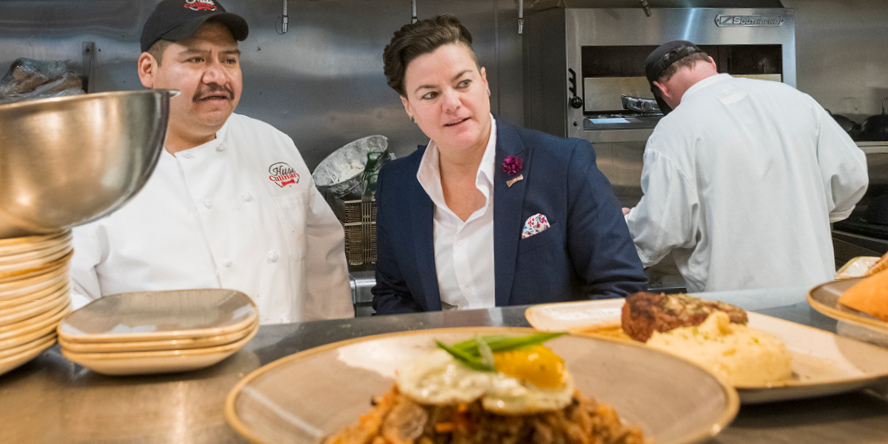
{"points": [[52, 400]]}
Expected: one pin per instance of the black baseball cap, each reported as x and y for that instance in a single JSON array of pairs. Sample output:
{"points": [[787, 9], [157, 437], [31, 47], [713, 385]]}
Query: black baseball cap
{"points": [[176, 20], [663, 57]]}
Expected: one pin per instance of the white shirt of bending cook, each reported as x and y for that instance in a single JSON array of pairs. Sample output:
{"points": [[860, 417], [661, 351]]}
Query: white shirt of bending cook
{"points": [[238, 212], [741, 183], [463, 250]]}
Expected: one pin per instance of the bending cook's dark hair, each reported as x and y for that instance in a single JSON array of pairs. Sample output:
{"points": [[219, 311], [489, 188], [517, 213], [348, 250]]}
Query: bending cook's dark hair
{"points": [[422, 37]]}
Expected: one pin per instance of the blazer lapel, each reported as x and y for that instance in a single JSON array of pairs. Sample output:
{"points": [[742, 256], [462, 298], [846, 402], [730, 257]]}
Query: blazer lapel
{"points": [[422, 224], [507, 205]]}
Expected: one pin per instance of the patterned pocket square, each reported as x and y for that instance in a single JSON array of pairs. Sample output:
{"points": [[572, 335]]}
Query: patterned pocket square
{"points": [[535, 224]]}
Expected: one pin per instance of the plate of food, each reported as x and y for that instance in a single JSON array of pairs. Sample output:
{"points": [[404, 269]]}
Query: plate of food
{"points": [[480, 385], [861, 301], [766, 359], [862, 266]]}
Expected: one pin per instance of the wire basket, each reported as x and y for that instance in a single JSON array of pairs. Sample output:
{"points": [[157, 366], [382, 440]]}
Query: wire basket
{"points": [[359, 222]]}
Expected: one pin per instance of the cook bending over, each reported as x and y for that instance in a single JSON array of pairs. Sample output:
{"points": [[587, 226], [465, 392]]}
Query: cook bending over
{"points": [[741, 179], [488, 214]]}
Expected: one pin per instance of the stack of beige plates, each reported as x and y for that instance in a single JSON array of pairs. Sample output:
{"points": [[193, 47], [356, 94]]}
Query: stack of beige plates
{"points": [[33, 295], [158, 331]]}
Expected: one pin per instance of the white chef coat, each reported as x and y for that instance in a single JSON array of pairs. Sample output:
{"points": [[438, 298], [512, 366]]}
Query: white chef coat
{"points": [[239, 212], [741, 183], [463, 250]]}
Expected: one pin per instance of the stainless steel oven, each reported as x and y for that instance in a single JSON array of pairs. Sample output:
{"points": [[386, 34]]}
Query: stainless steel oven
{"points": [[582, 57]]}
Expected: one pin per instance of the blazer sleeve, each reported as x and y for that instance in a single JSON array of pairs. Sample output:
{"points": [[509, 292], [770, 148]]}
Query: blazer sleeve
{"points": [[390, 294], [599, 244]]}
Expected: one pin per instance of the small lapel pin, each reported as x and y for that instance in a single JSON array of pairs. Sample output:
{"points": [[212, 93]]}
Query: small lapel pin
{"points": [[513, 165]]}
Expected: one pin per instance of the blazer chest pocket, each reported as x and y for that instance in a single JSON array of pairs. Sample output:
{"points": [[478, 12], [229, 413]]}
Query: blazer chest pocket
{"points": [[291, 215], [539, 240]]}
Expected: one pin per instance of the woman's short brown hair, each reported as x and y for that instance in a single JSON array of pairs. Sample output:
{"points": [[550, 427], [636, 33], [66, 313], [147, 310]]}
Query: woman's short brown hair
{"points": [[422, 37]]}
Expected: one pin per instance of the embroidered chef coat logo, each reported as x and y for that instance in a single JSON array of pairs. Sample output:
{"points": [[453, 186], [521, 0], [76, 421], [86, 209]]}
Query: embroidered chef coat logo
{"points": [[282, 174], [200, 5]]}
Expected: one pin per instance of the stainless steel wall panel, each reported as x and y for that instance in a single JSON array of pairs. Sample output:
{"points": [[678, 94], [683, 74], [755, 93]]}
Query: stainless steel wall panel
{"points": [[321, 82]]}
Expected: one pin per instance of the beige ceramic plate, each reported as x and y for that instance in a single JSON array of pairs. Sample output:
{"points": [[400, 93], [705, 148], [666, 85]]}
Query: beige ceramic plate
{"points": [[174, 344], [51, 317], [12, 362], [824, 362], [18, 288], [825, 299], [8, 303], [21, 244], [24, 338], [28, 266], [42, 341], [11, 315], [306, 396], [151, 362], [46, 254], [37, 270], [856, 267], [160, 315]]}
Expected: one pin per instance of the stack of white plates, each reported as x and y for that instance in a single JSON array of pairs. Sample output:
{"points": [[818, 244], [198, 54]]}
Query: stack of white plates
{"points": [[158, 332], [33, 295]]}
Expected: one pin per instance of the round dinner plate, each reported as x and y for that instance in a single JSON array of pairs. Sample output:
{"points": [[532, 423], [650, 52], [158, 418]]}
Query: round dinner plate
{"points": [[17, 245], [160, 315], [151, 362], [823, 363], [57, 285], [11, 315], [50, 318], [14, 276], [40, 281], [28, 266], [173, 344], [305, 397], [825, 299], [43, 341], [45, 254], [14, 361]]}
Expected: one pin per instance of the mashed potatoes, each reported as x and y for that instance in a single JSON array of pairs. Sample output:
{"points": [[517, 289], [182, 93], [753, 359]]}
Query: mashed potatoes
{"points": [[741, 355]]}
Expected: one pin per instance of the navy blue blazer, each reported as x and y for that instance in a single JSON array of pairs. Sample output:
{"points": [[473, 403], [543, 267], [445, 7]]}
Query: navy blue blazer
{"points": [[587, 253]]}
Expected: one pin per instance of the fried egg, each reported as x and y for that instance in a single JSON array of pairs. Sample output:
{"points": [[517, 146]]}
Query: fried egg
{"points": [[528, 380]]}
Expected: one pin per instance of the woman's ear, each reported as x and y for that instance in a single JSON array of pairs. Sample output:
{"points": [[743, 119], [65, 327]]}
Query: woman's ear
{"points": [[407, 108], [147, 69]]}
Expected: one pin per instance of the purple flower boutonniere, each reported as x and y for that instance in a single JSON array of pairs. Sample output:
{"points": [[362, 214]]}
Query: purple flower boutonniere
{"points": [[513, 166]]}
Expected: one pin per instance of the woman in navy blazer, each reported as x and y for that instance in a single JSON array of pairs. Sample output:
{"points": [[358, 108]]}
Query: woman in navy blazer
{"points": [[558, 233]]}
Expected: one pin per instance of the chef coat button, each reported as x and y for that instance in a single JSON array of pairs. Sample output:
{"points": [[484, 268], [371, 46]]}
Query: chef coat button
{"points": [[208, 203], [187, 155], [247, 197], [227, 263], [220, 148], [273, 256], [459, 242]]}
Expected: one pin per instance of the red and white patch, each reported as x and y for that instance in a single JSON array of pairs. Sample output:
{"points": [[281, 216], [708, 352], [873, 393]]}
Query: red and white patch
{"points": [[200, 5], [282, 174]]}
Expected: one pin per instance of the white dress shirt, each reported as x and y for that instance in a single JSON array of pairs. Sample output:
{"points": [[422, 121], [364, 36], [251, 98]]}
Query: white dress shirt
{"points": [[239, 212], [741, 183], [463, 250]]}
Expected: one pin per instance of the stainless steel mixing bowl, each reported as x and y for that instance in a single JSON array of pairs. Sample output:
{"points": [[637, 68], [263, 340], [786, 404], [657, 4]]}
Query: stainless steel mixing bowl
{"points": [[69, 160]]}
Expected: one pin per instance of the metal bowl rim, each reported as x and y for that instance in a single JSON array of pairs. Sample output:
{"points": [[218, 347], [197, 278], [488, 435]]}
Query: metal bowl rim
{"points": [[84, 97]]}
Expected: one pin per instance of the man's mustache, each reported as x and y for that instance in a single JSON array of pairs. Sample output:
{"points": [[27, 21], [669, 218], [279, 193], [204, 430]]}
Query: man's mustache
{"points": [[214, 89]]}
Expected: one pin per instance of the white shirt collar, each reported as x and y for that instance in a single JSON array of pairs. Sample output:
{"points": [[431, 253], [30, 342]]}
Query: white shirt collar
{"points": [[429, 173], [704, 83], [211, 145]]}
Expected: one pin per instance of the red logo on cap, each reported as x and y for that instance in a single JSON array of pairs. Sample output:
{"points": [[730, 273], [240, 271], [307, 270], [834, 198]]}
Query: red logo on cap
{"points": [[282, 174], [200, 5]]}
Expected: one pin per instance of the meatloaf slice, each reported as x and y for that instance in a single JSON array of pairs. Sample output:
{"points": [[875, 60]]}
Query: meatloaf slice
{"points": [[645, 313]]}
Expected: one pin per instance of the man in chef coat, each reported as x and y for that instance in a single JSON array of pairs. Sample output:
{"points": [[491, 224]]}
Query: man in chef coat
{"points": [[231, 203], [741, 179]]}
